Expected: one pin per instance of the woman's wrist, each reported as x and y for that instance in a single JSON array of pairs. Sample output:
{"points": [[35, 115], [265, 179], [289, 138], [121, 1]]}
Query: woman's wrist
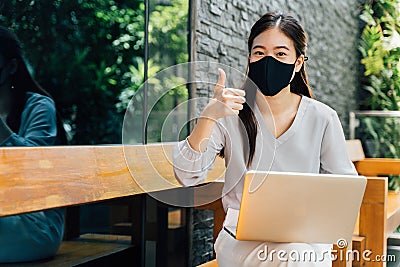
{"points": [[209, 111], [201, 133]]}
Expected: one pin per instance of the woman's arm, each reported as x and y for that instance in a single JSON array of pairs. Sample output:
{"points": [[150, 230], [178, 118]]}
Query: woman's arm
{"points": [[195, 155], [191, 166], [334, 155], [38, 124], [225, 102]]}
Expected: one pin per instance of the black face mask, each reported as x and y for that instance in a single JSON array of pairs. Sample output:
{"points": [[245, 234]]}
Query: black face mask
{"points": [[270, 75]]}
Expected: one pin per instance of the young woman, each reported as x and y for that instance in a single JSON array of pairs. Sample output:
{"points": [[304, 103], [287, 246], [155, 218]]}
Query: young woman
{"points": [[277, 127], [27, 118]]}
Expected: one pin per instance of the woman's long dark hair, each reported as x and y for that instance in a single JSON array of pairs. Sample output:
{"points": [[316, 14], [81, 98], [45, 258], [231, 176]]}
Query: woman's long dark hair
{"points": [[299, 85], [22, 82]]}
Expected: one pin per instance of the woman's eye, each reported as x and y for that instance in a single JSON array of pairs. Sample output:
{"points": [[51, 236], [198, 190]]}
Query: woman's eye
{"points": [[281, 54], [258, 53]]}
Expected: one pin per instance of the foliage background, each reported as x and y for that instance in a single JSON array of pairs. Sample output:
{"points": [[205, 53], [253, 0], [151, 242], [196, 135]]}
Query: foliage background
{"points": [[380, 51], [89, 55]]}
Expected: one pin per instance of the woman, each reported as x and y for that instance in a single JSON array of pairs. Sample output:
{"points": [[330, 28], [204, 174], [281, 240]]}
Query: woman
{"points": [[279, 127], [27, 118]]}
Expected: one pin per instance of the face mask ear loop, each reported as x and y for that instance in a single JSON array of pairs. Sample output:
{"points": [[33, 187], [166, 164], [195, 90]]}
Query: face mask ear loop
{"points": [[305, 58], [251, 191]]}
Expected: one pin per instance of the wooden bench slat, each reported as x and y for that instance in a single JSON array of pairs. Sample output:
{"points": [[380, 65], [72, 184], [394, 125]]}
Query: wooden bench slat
{"points": [[378, 166], [38, 178], [49, 177], [373, 215], [87, 248], [393, 212], [358, 244], [212, 263]]}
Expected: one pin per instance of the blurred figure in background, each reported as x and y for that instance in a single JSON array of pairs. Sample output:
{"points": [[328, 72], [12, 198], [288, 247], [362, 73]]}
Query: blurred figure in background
{"points": [[28, 117]]}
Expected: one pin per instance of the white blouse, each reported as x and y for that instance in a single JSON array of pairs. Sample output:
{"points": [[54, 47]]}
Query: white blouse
{"points": [[314, 143]]}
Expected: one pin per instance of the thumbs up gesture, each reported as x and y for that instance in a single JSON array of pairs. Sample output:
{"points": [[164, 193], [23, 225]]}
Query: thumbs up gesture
{"points": [[225, 101]]}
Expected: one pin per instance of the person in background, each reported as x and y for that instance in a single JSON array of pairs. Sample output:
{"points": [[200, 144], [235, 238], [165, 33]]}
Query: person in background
{"points": [[283, 129], [28, 117]]}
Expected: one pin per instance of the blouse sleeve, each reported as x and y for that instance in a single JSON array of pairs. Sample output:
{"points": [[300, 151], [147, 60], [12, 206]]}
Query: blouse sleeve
{"points": [[334, 156], [191, 166], [38, 125]]}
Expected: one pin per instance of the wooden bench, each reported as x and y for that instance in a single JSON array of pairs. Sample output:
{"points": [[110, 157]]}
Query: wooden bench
{"points": [[39, 178], [379, 213], [380, 210]]}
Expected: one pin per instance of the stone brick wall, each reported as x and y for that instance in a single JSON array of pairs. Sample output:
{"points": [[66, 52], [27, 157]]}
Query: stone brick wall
{"points": [[221, 30]]}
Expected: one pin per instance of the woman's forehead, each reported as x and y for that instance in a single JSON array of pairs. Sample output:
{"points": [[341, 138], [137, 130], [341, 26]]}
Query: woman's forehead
{"points": [[273, 38]]}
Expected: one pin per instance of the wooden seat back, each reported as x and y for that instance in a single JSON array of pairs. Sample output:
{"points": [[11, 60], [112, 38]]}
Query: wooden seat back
{"points": [[37, 178], [355, 150]]}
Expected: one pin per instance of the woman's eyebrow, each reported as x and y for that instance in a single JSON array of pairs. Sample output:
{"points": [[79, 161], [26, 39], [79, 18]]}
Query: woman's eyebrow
{"points": [[276, 47], [282, 47], [258, 46]]}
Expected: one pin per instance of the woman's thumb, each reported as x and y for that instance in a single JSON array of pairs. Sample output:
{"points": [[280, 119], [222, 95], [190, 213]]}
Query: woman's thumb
{"points": [[221, 78]]}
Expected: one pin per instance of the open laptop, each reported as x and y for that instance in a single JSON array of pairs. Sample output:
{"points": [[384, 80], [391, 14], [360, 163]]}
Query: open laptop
{"points": [[298, 207]]}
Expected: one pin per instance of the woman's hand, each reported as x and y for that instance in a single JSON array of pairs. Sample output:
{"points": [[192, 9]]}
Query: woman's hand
{"points": [[225, 101]]}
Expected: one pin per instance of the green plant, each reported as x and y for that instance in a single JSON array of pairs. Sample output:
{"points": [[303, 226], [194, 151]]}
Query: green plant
{"points": [[168, 46], [380, 51], [79, 51], [89, 55]]}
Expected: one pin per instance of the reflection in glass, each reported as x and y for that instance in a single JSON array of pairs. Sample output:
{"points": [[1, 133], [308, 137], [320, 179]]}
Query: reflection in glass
{"points": [[90, 56], [168, 46], [85, 53]]}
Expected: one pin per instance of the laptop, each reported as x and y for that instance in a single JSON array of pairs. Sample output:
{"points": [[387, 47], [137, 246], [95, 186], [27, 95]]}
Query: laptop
{"points": [[298, 207]]}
